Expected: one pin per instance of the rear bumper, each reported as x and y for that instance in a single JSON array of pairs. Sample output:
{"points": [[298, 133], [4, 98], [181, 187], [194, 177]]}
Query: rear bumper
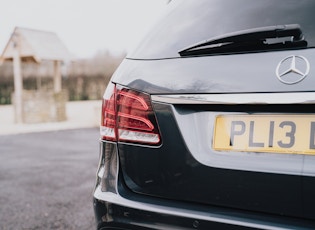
{"points": [[113, 211], [116, 207]]}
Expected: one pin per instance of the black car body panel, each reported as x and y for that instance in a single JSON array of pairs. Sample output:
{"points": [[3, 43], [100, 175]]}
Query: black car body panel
{"points": [[172, 171], [176, 177], [212, 74]]}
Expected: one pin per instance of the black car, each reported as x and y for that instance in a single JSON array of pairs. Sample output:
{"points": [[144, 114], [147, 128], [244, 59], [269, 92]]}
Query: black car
{"points": [[210, 122]]}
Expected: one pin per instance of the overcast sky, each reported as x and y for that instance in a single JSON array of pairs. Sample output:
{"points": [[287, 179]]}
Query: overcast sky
{"points": [[85, 26]]}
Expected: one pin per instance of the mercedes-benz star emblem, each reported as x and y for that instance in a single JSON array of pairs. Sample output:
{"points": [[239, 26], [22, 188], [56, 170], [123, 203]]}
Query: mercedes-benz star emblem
{"points": [[292, 69]]}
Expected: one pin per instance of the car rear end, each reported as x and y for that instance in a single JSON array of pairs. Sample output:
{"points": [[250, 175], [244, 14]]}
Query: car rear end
{"points": [[205, 139]]}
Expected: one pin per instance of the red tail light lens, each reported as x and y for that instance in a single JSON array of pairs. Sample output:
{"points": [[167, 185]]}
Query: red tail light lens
{"points": [[128, 116], [108, 122]]}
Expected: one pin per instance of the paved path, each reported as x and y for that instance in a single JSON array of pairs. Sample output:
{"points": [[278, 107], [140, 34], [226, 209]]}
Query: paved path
{"points": [[80, 114]]}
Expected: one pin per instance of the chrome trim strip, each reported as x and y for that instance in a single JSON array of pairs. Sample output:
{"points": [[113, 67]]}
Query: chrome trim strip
{"points": [[235, 98]]}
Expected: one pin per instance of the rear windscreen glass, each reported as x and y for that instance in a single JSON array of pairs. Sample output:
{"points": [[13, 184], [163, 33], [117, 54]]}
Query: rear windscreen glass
{"points": [[188, 22]]}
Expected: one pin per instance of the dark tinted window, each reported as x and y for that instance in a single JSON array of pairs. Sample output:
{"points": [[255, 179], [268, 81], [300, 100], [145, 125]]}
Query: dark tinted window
{"points": [[190, 21]]}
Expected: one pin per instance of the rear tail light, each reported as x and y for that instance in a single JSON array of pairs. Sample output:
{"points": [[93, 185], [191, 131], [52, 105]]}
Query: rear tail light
{"points": [[127, 116], [108, 122]]}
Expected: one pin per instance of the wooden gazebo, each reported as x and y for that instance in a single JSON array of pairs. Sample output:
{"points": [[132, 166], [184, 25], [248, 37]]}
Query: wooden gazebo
{"points": [[28, 45]]}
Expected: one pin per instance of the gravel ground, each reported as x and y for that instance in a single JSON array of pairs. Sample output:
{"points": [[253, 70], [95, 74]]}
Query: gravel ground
{"points": [[46, 179]]}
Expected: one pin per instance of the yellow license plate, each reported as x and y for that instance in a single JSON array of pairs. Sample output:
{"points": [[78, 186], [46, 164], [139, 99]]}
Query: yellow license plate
{"points": [[265, 133]]}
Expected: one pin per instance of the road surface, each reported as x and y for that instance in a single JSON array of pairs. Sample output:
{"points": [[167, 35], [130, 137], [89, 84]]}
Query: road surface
{"points": [[47, 178]]}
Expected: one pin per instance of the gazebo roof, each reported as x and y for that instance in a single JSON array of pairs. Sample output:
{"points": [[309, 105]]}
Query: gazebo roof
{"points": [[36, 45]]}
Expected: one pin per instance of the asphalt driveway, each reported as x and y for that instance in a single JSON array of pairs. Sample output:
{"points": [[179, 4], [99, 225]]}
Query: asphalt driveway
{"points": [[47, 178]]}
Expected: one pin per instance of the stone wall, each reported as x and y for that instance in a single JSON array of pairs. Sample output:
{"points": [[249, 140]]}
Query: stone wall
{"points": [[43, 106]]}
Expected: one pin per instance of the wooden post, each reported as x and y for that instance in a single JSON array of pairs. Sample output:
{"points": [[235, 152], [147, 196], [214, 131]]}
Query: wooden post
{"points": [[38, 77], [57, 76], [18, 82]]}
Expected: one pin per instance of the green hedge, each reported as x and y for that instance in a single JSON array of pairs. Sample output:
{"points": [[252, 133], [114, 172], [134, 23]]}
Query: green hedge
{"points": [[6, 89], [79, 87]]}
